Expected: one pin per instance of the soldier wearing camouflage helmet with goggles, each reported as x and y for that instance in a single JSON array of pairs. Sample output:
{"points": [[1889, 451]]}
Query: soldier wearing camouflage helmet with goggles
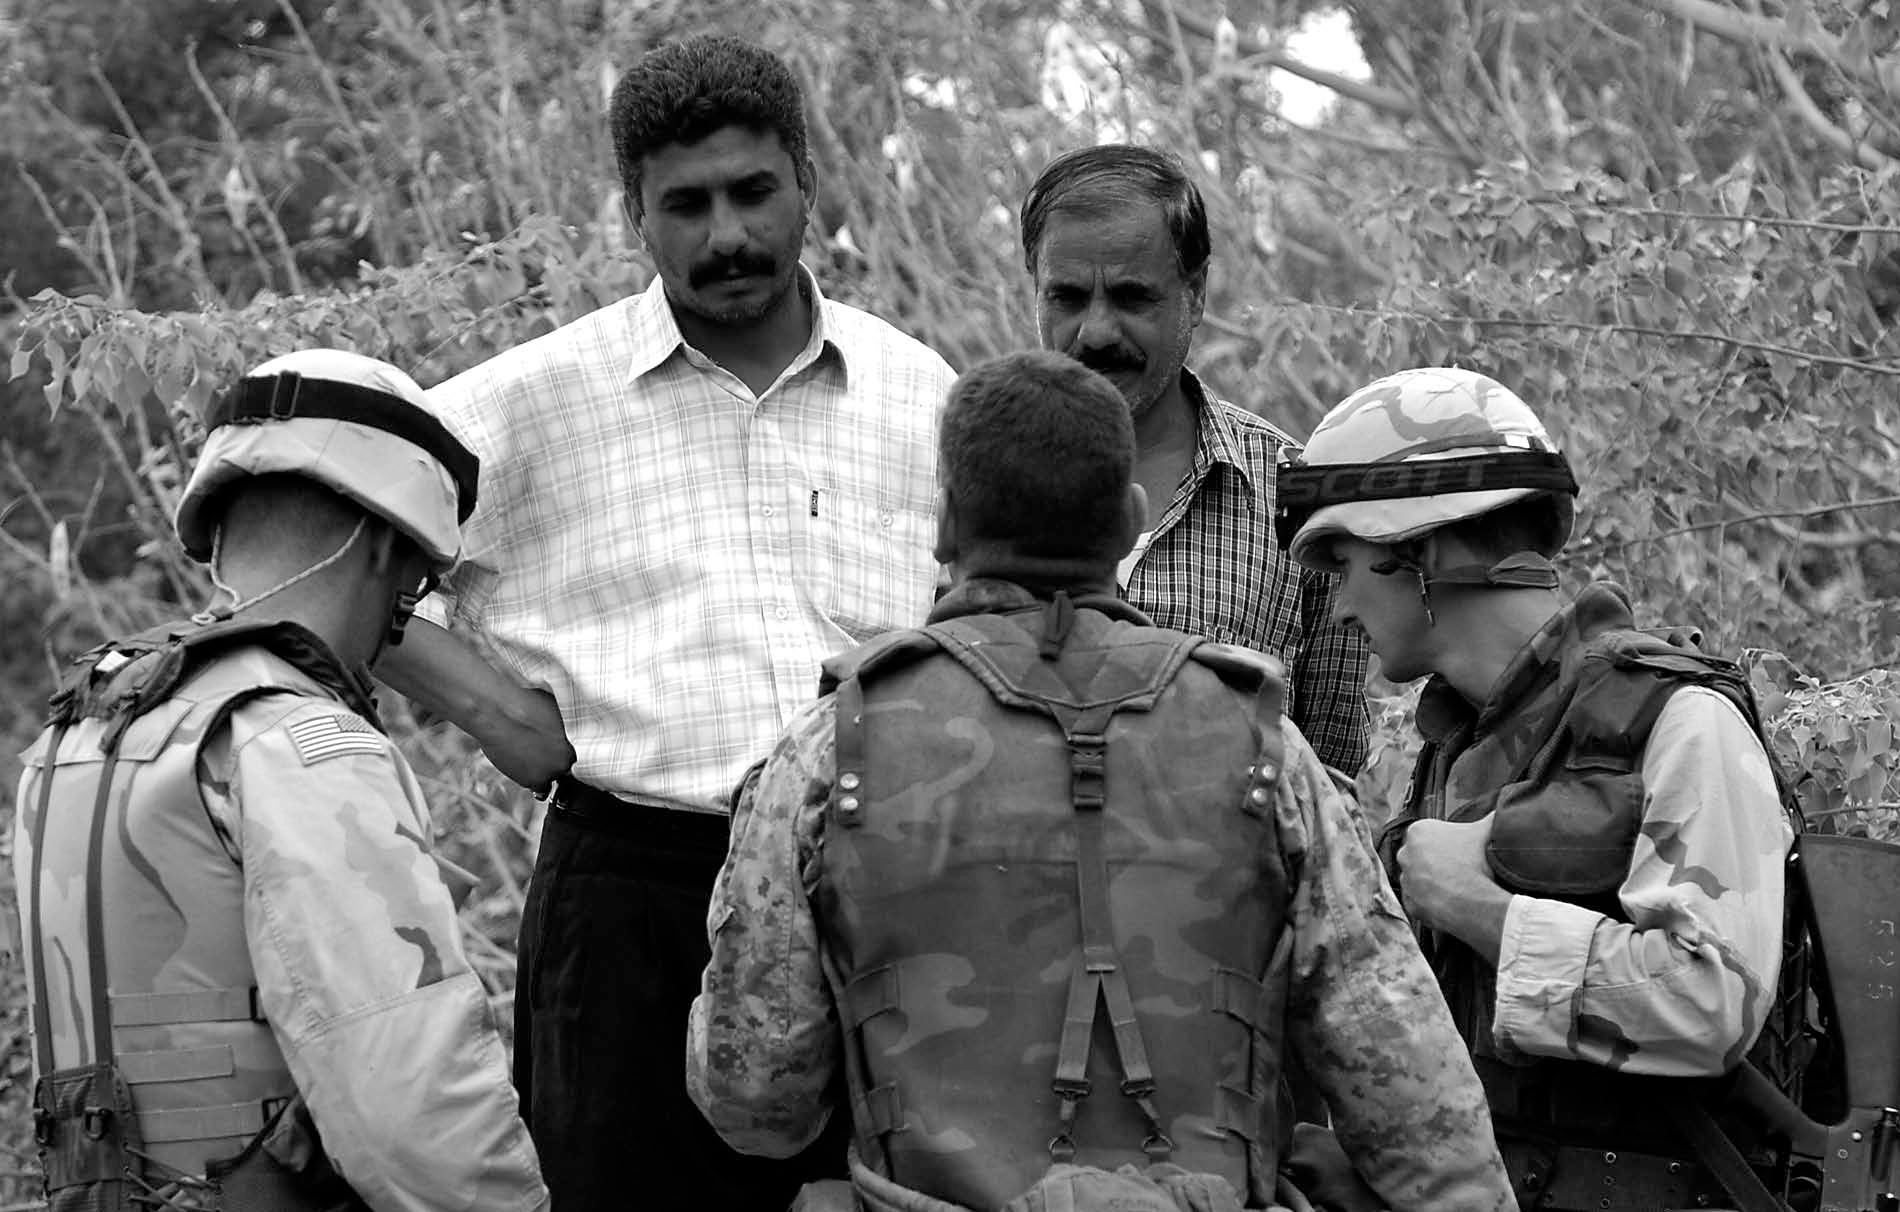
{"points": [[247, 978], [1593, 844]]}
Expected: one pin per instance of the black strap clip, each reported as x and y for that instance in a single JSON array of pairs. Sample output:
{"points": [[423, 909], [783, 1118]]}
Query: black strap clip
{"points": [[96, 1121], [283, 395]]}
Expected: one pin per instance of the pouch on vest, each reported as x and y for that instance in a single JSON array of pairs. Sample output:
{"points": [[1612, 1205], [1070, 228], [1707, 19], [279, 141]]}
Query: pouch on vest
{"points": [[83, 1122]]}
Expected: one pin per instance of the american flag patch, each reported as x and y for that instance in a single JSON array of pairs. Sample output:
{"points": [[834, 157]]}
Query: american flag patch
{"points": [[332, 736]]}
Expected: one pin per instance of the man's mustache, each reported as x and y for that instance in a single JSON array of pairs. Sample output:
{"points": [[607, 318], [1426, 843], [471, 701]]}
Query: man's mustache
{"points": [[720, 268], [1110, 361]]}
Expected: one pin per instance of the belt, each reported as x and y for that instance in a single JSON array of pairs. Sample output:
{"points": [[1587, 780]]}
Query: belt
{"points": [[647, 817], [1566, 1178]]}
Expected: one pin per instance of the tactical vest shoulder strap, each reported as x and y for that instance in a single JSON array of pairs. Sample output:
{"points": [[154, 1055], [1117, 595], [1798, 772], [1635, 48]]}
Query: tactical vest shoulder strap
{"points": [[1615, 708], [891, 650], [844, 675], [1264, 678], [124, 679], [42, 1016]]}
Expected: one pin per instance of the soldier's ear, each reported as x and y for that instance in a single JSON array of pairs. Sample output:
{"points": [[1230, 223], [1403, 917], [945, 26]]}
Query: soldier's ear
{"points": [[945, 549], [1134, 519]]}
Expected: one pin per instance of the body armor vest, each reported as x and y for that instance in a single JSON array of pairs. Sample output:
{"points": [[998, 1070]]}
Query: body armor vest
{"points": [[1025, 829], [1565, 791], [149, 1042]]}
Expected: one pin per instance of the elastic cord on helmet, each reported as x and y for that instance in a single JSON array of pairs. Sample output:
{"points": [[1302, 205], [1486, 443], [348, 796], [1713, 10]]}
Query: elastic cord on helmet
{"points": [[280, 397], [1304, 489]]}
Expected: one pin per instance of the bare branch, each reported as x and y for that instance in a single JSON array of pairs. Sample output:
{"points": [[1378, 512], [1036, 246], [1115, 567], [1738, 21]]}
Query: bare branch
{"points": [[1754, 29], [1639, 330], [1378, 97], [1797, 95], [1595, 547]]}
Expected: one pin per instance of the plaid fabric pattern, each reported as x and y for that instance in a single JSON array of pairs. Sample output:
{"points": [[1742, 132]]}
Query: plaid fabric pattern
{"points": [[1212, 567], [673, 556]]}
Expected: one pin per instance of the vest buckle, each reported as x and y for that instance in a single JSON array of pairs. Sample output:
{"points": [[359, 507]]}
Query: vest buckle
{"points": [[45, 1127], [96, 1122]]}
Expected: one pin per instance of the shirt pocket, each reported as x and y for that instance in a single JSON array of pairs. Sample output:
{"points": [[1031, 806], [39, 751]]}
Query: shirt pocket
{"points": [[865, 563]]}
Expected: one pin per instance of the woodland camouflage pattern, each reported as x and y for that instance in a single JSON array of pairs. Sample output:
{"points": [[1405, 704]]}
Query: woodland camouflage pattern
{"points": [[764, 1046], [1414, 418], [289, 849], [1663, 959]]}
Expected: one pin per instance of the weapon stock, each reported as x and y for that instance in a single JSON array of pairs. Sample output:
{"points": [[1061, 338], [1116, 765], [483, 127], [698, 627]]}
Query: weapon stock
{"points": [[1851, 887]]}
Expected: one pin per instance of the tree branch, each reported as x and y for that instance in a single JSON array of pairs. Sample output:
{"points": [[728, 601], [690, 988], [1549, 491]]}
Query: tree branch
{"points": [[1640, 330], [1797, 94], [1599, 546], [1377, 96], [1753, 29]]}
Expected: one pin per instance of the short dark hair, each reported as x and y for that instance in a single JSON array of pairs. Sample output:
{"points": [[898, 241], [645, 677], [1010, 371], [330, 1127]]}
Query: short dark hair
{"points": [[1534, 523], [1096, 181], [1036, 452], [681, 92]]}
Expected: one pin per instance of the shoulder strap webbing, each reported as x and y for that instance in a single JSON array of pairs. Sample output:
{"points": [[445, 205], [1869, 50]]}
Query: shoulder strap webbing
{"points": [[96, 913], [1716, 1151], [1098, 979], [42, 1002]]}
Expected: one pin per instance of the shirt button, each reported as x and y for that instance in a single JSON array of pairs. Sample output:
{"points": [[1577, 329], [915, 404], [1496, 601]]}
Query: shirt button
{"points": [[768, 511], [885, 518], [783, 613]]}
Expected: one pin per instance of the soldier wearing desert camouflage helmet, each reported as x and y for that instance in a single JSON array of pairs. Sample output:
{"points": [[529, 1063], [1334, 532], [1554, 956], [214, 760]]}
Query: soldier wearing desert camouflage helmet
{"points": [[1038, 816], [247, 977], [1593, 844]]}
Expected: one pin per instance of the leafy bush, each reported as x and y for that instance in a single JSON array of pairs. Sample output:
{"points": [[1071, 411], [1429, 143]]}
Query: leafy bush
{"points": [[1632, 220]]}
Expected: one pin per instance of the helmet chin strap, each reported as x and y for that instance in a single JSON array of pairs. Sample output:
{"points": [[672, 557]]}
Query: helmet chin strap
{"points": [[405, 609]]}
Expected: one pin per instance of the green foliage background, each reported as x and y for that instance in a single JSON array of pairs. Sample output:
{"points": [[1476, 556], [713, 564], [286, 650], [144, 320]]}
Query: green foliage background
{"points": [[1671, 225]]}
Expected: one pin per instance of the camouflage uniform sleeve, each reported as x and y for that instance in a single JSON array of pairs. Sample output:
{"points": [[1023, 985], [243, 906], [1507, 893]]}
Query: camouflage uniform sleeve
{"points": [[1329, 679], [1683, 987], [763, 1038], [1365, 1014], [359, 962]]}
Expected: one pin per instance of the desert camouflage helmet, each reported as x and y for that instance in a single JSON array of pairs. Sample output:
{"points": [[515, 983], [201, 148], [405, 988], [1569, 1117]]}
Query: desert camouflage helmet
{"points": [[1413, 451], [359, 426]]}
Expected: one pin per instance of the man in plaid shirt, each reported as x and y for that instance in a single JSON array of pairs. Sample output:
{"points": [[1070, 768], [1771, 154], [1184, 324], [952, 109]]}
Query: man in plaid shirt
{"points": [[690, 498], [1116, 239]]}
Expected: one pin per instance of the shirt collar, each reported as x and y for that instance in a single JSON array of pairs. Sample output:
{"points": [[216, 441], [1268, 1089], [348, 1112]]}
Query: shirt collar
{"points": [[999, 595], [1216, 438], [655, 335], [1547, 657]]}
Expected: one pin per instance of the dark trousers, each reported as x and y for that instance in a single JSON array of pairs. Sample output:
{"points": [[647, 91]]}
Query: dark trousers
{"points": [[613, 942]]}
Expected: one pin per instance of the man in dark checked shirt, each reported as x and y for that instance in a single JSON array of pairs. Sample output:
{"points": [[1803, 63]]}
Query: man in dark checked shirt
{"points": [[1116, 239]]}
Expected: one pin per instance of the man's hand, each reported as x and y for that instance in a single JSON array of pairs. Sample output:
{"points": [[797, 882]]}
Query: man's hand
{"points": [[532, 748], [1446, 882]]}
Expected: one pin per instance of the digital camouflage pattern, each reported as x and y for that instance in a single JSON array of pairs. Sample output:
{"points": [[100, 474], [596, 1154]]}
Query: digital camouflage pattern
{"points": [[1646, 936], [1416, 417], [286, 850], [765, 1041]]}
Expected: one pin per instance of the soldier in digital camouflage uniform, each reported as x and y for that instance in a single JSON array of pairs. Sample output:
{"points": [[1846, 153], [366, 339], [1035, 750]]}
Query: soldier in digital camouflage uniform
{"points": [[1593, 844], [249, 989], [1040, 816]]}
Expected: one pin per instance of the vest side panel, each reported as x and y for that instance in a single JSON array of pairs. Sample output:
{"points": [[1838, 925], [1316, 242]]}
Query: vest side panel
{"points": [[173, 900]]}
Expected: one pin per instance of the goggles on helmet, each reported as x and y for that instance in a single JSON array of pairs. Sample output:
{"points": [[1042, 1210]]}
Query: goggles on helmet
{"points": [[1304, 489]]}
